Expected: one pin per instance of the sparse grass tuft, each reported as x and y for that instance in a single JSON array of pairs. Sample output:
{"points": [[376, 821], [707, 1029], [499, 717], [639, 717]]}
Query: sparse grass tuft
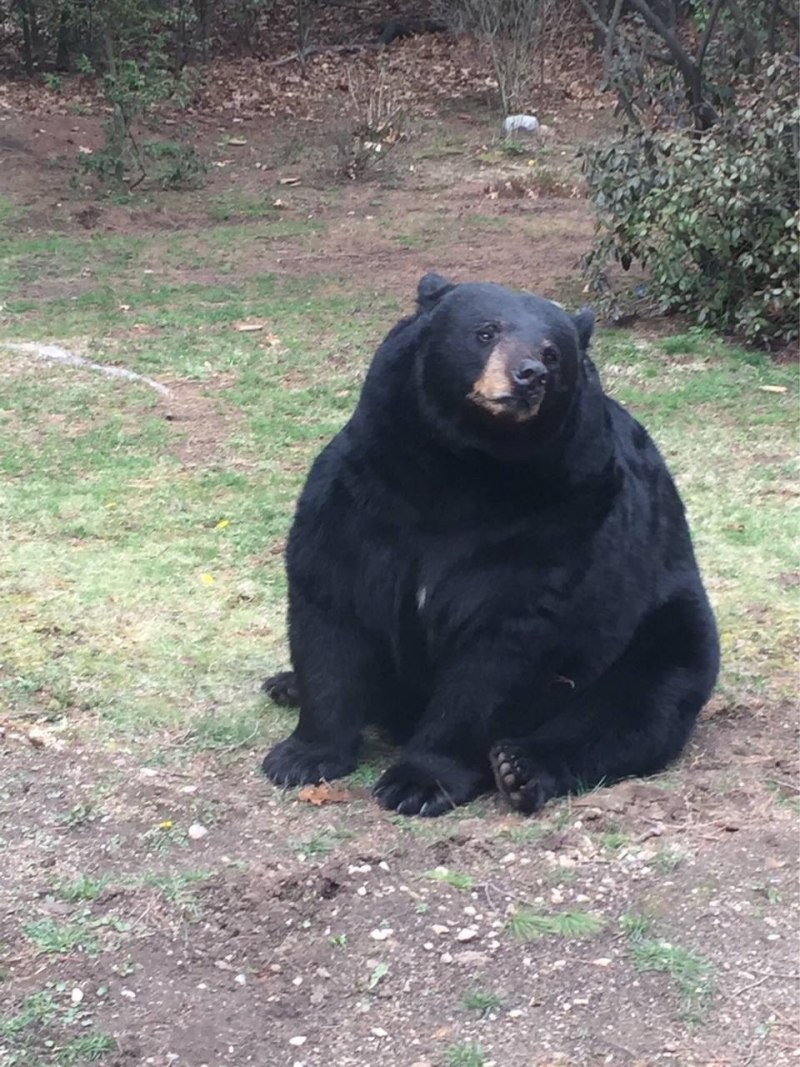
{"points": [[530, 925], [614, 840], [635, 926], [667, 860], [465, 1055], [482, 1002], [178, 890], [453, 878], [321, 842], [690, 972], [87, 1048], [38, 1009], [84, 887], [57, 939]]}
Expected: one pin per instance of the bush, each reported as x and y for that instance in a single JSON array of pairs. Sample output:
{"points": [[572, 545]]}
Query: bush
{"points": [[713, 216]]}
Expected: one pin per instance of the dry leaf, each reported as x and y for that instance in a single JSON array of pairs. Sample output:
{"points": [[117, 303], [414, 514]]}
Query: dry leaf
{"points": [[37, 737], [773, 389], [288, 181], [324, 793], [236, 142]]}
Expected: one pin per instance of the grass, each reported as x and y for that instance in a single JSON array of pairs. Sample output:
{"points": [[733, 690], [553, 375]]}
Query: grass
{"points": [[690, 972], [179, 890], [57, 939], [453, 878], [84, 887], [89, 1048], [528, 925], [481, 1002], [321, 842], [465, 1055], [146, 593], [39, 1027]]}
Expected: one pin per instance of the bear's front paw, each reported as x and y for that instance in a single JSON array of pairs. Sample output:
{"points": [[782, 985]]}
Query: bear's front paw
{"points": [[281, 688], [295, 762], [524, 784], [426, 786]]}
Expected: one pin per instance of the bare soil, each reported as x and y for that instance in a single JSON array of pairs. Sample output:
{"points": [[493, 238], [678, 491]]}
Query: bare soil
{"points": [[362, 954]]}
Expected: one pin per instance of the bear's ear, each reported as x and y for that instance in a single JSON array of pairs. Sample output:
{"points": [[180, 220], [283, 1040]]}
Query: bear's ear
{"points": [[584, 324], [431, 288]]}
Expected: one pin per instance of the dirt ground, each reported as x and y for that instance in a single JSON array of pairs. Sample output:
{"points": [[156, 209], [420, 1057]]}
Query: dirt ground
{"points": [[234, 924]]}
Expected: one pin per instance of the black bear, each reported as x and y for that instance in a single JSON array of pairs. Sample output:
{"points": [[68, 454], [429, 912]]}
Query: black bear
{"points": [[491, 562]]}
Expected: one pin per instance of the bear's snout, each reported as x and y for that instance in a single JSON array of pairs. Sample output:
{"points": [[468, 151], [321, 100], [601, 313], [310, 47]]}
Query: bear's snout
{"points": [[529, 375]]}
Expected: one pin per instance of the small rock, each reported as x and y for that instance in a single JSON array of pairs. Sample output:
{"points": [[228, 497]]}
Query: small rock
{"points": [[128, 994], [196, 831], [76, 996], [381, 935], [241, 979], [603, 961], [468, 933], [378, 1031], [298, 1041], [446, 957], [439, 929]]}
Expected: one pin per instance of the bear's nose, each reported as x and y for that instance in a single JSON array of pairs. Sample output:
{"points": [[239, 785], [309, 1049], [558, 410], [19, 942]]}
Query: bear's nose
{"points": [[530, 373]]}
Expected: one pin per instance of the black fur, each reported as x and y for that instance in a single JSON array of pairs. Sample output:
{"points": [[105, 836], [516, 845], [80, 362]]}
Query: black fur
{"points": [[512, 596]]}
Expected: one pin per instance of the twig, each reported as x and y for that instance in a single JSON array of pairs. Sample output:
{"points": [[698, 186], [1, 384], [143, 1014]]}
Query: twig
{"points": [[760, 981], [56, 354], [790, 786], [299, 56], [750, 985]]}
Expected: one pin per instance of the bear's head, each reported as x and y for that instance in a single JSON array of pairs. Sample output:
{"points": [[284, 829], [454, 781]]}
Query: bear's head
{"points": [[498, 368]]}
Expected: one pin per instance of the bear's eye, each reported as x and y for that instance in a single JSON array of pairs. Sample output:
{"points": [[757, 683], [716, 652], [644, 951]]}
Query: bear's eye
{"points": [[487, 333], [550, 355]]}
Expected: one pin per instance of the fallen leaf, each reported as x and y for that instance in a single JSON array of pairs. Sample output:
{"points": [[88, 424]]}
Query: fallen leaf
{"points": [[237, 142], [37, 737], [288, 181], [773, 389], [324, 793]]}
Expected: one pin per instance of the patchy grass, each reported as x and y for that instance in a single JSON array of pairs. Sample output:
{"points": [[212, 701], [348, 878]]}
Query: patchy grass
{"points": [[84, 887], [179, 890], [53, 938], [691, 973]]}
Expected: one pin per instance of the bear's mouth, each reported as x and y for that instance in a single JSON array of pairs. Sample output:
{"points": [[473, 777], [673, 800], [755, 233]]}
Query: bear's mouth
{"points": [[515, 407]]}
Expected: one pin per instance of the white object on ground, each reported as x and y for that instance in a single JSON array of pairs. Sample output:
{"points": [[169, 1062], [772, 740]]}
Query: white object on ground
{"points": [[529, 123], [56, 354]]}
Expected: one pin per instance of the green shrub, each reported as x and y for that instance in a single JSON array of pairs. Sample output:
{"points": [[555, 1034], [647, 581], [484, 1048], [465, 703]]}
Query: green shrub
{"points": [[712, 217]]}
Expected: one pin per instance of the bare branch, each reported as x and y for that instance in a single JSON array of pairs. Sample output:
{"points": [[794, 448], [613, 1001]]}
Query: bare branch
{"points": [[709, 31], [608, 52], [682, 58], [597, 22]]}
